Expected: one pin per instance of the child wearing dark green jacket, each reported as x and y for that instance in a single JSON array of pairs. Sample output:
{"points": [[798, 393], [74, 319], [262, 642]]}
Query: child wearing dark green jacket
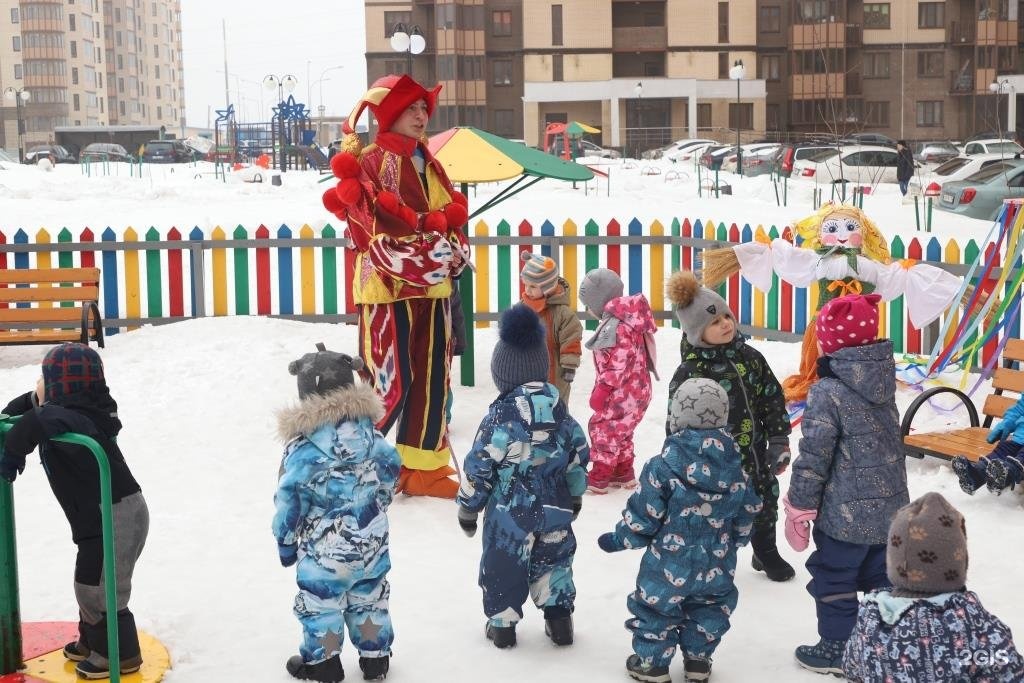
{"points": [[713, 348]]}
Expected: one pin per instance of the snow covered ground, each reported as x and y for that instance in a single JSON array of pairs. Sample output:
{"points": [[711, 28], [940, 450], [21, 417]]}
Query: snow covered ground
{"points": [[198, 400]]}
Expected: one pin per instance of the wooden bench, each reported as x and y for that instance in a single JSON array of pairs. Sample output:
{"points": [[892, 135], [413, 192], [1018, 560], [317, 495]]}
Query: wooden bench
{"points": [[969, 441], [61, 306]]}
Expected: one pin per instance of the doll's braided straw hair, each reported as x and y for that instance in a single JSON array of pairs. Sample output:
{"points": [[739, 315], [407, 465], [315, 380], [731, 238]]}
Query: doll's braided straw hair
{"points": [[721, 264]]}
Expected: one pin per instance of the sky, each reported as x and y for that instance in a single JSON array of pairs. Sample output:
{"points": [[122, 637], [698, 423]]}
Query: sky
{"points": [[263, 37]]}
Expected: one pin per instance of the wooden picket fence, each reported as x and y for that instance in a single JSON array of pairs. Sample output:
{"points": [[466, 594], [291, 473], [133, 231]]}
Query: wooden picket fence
{"points": [[154, 279]]}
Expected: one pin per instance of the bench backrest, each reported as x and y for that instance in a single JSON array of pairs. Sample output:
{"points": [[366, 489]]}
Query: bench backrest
{"points": [[45, 287], [1006, 379]]}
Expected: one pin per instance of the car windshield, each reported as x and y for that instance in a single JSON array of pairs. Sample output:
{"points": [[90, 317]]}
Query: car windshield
{"points": [[987, 174], [951, 166], [1004, 148], [824, 154]]}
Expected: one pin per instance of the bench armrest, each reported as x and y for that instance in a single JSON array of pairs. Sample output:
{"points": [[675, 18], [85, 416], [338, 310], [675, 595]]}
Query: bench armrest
{"points": [[90, 309], [908, 419]]}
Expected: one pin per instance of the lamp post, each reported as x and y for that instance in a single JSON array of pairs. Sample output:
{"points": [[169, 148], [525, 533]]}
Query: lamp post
{"points": [[411, 42], [737, 72], [322, 108], [997, 87], [20, 96], [638, 91], [283, 84]]}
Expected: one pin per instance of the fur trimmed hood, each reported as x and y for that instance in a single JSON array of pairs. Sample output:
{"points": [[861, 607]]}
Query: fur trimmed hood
{"points": [[351, 402]]}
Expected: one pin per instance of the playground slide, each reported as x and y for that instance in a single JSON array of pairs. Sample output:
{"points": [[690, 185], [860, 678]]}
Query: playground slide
{"points": [[315, 158]]}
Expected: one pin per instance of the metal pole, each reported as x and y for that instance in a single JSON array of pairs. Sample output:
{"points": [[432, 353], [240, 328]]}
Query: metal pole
{"points": [[10, 610], [280, 125], [739, 155]]}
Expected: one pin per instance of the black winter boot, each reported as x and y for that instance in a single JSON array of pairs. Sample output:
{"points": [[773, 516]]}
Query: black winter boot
{"points": [[501, 636], [77, 650], [96, 664], [374, 668], [558, 625], [766, 555], [327, 671]]}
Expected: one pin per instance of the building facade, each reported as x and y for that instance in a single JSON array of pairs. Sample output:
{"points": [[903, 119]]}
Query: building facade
{"points": [[89, 63], [650, 71]]}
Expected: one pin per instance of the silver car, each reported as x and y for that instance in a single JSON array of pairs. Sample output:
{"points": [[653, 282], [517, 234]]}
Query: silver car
{"points": [[982, 194]]}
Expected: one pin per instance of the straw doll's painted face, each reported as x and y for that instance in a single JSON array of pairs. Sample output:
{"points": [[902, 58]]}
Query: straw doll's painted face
{"points": [[841, 230]]}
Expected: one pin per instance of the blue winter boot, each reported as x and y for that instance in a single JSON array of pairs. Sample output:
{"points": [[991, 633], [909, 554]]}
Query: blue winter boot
{"points": [[972, 475], [1004, 472], [824, 658], [648, 673]]}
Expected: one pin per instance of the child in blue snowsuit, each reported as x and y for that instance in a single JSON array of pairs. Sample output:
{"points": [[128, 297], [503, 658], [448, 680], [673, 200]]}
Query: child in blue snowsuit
{"points": [[527, 472], [1004, 466], [695, 507], [337, 480]]}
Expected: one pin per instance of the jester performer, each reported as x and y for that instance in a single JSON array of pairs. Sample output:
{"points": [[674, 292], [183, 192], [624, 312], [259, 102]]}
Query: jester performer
{"points": [[405, 222], [845, 253]]}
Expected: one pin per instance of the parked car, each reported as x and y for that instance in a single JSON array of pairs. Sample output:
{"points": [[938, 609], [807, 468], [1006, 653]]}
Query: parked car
{"points": [[56, 153], [992, 146], [105, 151], [674, 148], [747, 150], [5, 159], [690, 152], [956, 169], [760, 162], [794, 152], [934, 152], [861, 164], [589, 149], [715, 156], [981, 195], [870, 139], [167, 152]]}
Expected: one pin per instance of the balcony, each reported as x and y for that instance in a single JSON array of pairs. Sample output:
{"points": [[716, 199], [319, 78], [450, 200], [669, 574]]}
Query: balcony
{"points": [[639, 38], [994, 32], [960, 33], [961, 83], [821, 86], [853, 84], [854, 35], [832, 34]]}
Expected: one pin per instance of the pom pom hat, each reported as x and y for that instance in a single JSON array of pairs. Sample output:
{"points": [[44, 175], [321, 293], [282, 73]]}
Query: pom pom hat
{"points": [[521, 354], [387, 98], [850, 320], [695, 306], [539, 270]]}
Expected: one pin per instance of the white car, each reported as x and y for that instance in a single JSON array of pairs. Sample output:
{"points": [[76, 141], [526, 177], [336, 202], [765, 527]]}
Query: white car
{"points": [[689, 152], [956, 169], [860, 164], [589, 149], [1007, 148], [673, 149], [751, 150]]}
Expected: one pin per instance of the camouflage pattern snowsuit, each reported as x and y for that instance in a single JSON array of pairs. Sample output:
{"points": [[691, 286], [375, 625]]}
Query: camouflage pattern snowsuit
{"points": [[337, 480], [529, 459], [693, 510], [623, 365]]}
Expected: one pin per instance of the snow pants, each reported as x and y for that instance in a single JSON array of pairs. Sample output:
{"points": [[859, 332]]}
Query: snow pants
{"points": [[611, 436], [695, 623], [330, 601], [839, 570]]}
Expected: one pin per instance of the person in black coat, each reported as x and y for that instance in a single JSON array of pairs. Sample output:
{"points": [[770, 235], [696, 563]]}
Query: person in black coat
{"points": [[904, 166], [72, 396]]}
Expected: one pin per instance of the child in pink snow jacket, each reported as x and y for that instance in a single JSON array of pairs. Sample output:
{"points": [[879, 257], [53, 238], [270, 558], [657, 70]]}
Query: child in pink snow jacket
{"points": [[624, 356]]}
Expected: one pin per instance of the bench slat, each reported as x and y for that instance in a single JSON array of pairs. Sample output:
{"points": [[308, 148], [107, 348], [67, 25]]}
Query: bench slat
{"points": [[23, 294], [33, 275], [18, 315], [996, 406], [1014, 350], [969, 442], [1008, 379], [39, 336]]}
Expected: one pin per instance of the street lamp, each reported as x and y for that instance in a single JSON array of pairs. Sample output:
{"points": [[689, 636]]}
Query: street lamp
{"points": [[283, 84], [737, 72], [997, 87], [20, 96], [411, 42], [321, 108]]}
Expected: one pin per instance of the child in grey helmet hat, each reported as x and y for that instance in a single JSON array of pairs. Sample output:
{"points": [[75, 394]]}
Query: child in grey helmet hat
{"points": [[527, 473], [337, 479], [713, 347], [694, 508], [928, 626], [624, 360]]}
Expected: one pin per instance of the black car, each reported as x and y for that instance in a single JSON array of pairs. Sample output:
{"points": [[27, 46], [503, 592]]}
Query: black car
{"points": [[105, 151], [870, 139], [792, 152], [167, 152], [56, 153]]}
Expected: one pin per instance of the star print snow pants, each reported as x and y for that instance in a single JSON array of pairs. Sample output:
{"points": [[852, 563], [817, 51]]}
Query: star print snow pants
{"points": [[329, 601]]}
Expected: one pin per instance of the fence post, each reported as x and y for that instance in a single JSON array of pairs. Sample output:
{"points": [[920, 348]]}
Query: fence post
{"points": [[10, 610], [198, 267]]}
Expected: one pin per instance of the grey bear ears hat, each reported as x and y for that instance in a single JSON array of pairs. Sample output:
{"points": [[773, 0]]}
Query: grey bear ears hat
{"points": [[325, 371], [600, 286], [695, 306], [698, 403]]}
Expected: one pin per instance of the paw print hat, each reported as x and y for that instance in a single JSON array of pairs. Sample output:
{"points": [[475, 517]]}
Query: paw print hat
{"points": [[927, 552]]}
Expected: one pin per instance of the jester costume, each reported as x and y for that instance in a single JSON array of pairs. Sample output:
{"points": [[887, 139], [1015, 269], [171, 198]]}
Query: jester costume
{"points": [[405, 224], [843, 251]]}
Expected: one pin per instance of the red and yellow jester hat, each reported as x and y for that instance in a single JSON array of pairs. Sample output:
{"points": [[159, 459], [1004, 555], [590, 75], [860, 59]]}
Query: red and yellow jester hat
{"points": [[387, 98]]}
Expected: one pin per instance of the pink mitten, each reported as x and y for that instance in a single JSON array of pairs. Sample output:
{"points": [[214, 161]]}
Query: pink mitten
{"points": [[798, 525], [599, 397]]}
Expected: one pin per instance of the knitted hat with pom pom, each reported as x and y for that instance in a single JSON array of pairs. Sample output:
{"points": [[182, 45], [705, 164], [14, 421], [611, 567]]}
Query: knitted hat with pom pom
{"points": [[521, 354], [695, 306], [539, 270]]}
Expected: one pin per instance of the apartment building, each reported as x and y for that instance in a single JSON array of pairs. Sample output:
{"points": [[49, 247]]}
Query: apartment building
{"points": [[89, 63]]}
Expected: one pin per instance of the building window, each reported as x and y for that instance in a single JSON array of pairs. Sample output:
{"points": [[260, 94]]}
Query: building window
{"points": [[504, 121], [501, 70], [393, 19], [876, 15], [446, 67], [1007, 60], [556, 68], [74, 75], [395, 66], [15, 15], [159, 112], [929, 114], [71, 22], [723, 65], [501, 23], [876, 65], [771, 19], [771, 117], [771, 67], [931, 14], [930, 64], [445, 16], [877, 114], [76, 102], [741, 115], [18, 72], [723, 22], [703, 114], [74, 48], [16, 43], [556, 25]]}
